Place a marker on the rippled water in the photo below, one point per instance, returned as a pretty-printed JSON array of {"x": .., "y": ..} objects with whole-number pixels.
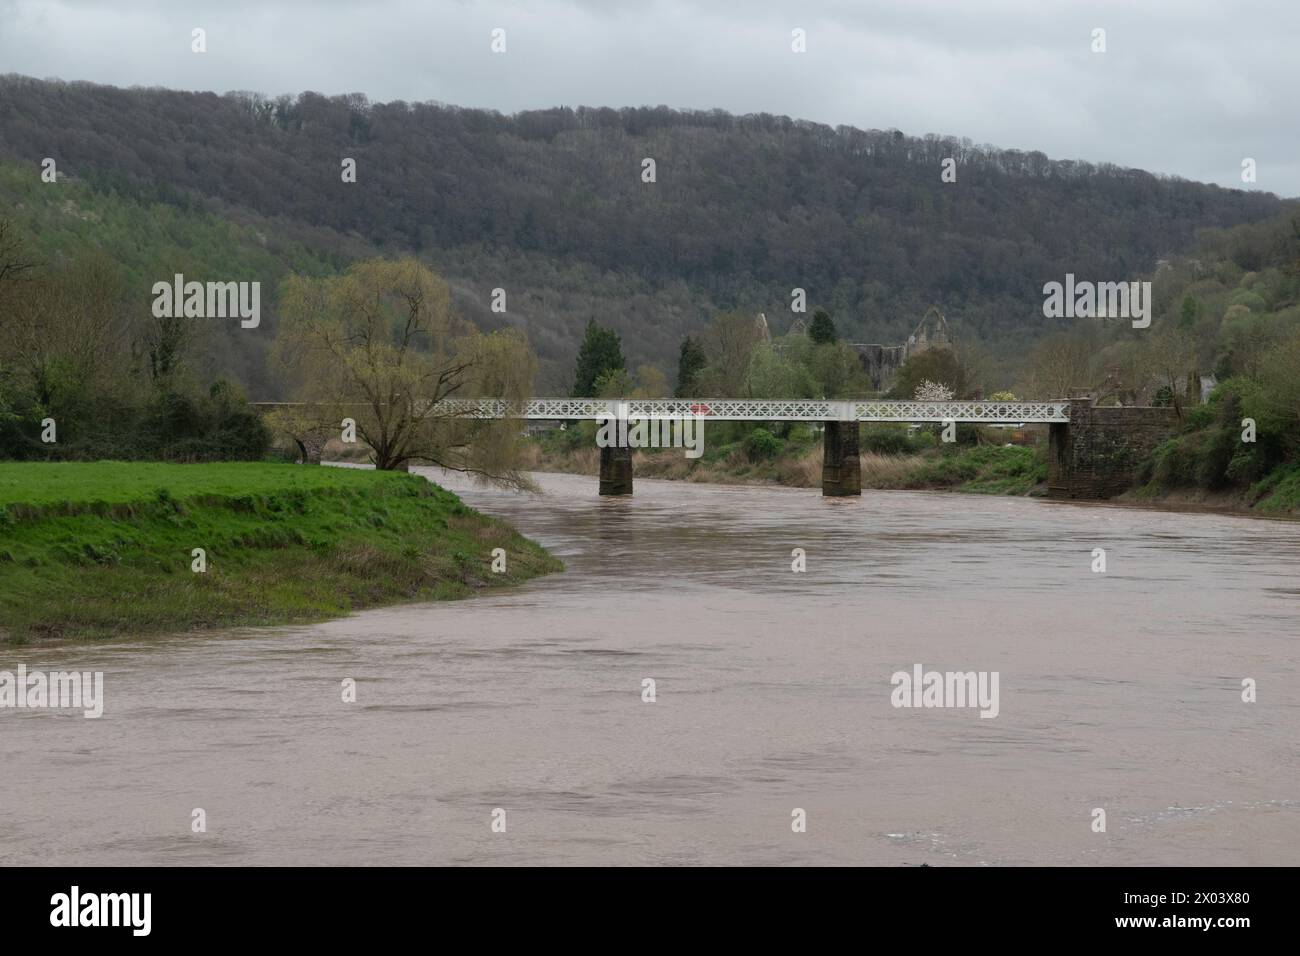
[{"x": 1119, "y": 690}]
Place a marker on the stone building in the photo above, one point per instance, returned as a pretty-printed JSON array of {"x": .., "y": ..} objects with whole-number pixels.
[{"x": 881, "y": 362}]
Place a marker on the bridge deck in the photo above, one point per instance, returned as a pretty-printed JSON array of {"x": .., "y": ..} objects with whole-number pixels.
[{"x": 735, "y": 409}]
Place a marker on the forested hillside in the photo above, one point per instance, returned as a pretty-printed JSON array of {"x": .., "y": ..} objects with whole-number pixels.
[
  {"x": 551, "y": 207},
  {"x": 150, "y": 240}
]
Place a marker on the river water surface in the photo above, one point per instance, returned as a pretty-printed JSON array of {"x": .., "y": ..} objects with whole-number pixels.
[{"x": 1120, "y": 691}]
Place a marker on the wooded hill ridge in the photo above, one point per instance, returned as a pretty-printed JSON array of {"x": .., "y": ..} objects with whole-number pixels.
[{"x": 551, "y": 206}]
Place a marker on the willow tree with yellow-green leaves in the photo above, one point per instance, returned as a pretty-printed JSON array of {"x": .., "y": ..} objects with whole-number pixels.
[{"x": 380, "y": 345}]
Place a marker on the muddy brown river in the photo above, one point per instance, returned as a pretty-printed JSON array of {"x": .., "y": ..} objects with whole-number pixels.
[{"x": 1120, "y": 691}]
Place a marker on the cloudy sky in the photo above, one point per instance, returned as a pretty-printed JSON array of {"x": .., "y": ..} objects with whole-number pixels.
[{"x": 1189, "y": 87}]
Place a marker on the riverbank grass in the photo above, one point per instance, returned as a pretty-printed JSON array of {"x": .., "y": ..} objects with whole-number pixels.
[
  {"x": 1279, "y": 491},
  {"x": 984, "y": 469},
  {"x": 106, "y": 549}
]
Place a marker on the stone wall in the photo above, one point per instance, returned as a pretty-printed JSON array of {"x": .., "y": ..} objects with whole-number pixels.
[
  {"x": 1097, "y": 454},
  {"x": 880, "y": 362}
]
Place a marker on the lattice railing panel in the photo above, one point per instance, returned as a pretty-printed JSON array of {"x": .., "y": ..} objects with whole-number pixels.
[{"x": 969, "y": 411}]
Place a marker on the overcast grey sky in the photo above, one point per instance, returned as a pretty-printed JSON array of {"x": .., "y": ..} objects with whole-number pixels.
[{"x": 1189, "y": 87}]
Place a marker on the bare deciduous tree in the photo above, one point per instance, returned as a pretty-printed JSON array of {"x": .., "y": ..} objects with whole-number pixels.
[
  {"x": 66, "y": 328},
  {"x": 1171, "y": 355},
  {"x": 1057, "y": 364},
  {"x": 728, "y": 342},
  {"x": 14, "y": 262}
]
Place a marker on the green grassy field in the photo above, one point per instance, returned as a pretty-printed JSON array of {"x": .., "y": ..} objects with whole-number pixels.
[{"x": 106, "y": 549}]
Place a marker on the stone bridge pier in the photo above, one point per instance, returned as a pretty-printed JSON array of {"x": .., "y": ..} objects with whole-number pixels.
[
  {"x": 841, "y": 466},
  {"x": 1097, "y": 452},
  {"x": 615, "y": 471},
  {"x": 310, "y": 445}
]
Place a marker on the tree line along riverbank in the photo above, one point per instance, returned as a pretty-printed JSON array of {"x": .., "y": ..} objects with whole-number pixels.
[{"x": 118, "y": 549}]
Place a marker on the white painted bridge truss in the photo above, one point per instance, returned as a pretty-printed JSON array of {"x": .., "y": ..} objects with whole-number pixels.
[{"x": 762, "y": 410}]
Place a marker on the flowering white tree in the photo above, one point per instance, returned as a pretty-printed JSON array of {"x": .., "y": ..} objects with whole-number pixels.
[{"x": 929, "y": 391}]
